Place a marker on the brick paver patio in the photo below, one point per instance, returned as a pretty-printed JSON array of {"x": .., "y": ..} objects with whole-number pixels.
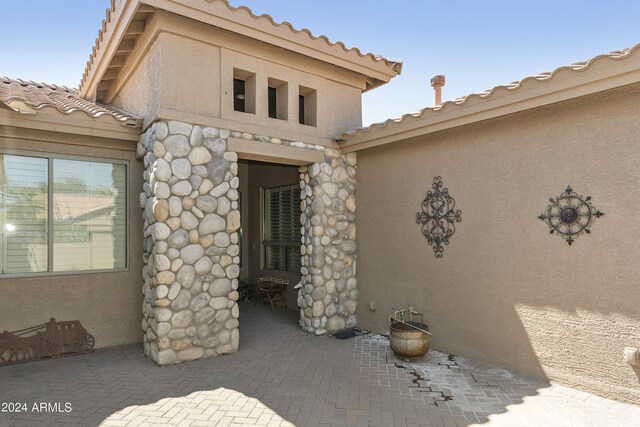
[{"x": 282, "y": 376}]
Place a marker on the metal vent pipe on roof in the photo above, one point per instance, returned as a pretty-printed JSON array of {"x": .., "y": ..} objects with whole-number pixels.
[{"x": 437, "y": 82}]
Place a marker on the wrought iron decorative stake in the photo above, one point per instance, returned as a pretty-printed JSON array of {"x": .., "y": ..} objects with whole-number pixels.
[
  {"x": 438, "y": 217},
  {"x": 570, "y": 215}
]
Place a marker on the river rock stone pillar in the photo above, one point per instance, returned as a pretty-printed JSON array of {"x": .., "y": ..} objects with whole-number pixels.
[
  {"x": 328, "y": 293},
  {"x": 191, "y": 250}
]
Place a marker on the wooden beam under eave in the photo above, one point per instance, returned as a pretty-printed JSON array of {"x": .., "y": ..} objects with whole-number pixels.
[
  {"x": 105, "y": 49},
  {"x": 136, "y": 27},
  {"x": 125, "y": 46},
  {"x": 100, "y": 96},
  {"x": 143, "y": 8},
  {"x": 104, "y": 85},
  {"x": 117, "y": 61},
  {"x": 369, "y": 82},
  {"x": 111, "y": 74}
]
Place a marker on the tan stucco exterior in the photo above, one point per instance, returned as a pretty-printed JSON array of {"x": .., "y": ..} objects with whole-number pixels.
[
  {"x": 147, "y": 74},
  {"x": 128, "y": 21},
  {"x": 506, "y": 291},
  {"x": 156, "y": 84},
  {"x": 106, "y": 303}
]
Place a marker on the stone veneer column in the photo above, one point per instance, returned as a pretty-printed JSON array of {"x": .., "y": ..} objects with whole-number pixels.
[
  {"x": 191, "y": 247},
  {"x": 328, "y": 296}
]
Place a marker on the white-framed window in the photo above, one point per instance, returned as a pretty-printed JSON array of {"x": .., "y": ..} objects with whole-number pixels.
[
  {"x": 61, "y": 215},
  {"x": 281, "y": 238}
]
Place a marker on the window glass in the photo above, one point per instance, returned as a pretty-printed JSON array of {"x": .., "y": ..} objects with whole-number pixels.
[
  {"x": 239, "y": 95},
  {"x": 83, "y": 209},
  {"x": 23, "y": 214},
  {"x": 89, "y": 230},
  {"x": 301, "y": 109},
  {"x": 273, "y": 102}
]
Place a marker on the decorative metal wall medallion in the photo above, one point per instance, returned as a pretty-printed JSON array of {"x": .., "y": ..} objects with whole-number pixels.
[
  {"x": 570, "y": 215},
  {"x": 438, "y": 217}
]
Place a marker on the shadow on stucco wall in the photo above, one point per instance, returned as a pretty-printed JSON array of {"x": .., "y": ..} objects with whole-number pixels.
[{"x": 506, "y": 291}]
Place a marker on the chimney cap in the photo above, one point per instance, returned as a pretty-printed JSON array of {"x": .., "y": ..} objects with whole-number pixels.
[{"x": 437, "y": 80}]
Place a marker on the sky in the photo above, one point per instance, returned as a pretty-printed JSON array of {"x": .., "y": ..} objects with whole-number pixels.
[{"x": 476, "y": 44}]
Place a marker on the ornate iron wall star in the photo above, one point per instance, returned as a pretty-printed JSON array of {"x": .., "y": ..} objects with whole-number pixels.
[
  {"x": 438, "y": 217},
  {"x": 570, "y": 215}
]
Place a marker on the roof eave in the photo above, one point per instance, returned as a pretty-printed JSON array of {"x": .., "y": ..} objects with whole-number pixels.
[
  {"x": 77, "y": 122},
  {"x": 241, "y": 20},
  {"x": 602, "y": 73},
  {"x": 262, "y": 27},
  {"x": 113, "y": 29}
]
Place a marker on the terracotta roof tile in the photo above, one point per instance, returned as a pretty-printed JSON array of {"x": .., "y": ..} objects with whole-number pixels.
[
  {"x": 27, "y": 96},
  {"x": 395, "y": 65},
  {"x": 539, "y": 78}
]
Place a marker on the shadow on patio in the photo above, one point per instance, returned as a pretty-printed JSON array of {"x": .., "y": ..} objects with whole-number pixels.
[{"x": 282, "y": 376}]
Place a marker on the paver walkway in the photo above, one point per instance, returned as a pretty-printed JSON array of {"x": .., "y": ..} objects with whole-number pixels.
[{"x": 282, "y": 377}]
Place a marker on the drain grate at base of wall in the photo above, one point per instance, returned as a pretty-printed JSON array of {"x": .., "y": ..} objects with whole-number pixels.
[{"x": 348, "y": 333}]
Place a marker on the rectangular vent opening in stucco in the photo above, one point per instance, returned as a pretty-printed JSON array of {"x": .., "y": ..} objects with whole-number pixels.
[
  {"x": 278, "y": 96},
  {"x": 307, "y": 106},
  {"x": 244, "y": 91}
]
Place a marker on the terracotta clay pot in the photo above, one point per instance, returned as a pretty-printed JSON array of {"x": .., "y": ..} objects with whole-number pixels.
[{"x": 407, "y": 341}]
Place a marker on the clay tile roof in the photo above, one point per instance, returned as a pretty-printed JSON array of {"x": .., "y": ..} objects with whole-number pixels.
[
  {"x": 28, "y": 96},
  {"x": 395, "y": 65},
  {"x": 539, "y": 79}
]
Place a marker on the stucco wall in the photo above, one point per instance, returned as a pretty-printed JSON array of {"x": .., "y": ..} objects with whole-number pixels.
[
  {"x": 141, "y": 93},
  {"x": 189, "y": 77},
  {"x": 107, "y": 304},
  {"x": 190, "y": 71},
  {"x": 338, "y": 104},
  {"x": 506, "y": 291}
]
